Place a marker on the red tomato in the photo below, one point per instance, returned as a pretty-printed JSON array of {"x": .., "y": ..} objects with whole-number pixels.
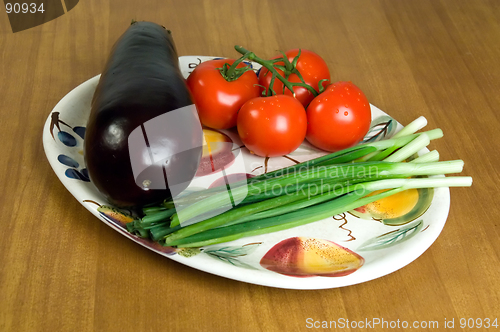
[
  {"x": 312, "y": 68},
  {"x": 272, "y": 126},
  {"x": 338, "y": 118},
  {"x": 216, "y": 99}
]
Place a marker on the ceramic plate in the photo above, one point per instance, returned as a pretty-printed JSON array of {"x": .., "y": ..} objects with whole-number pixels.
[{"x": 346, "y": 249}]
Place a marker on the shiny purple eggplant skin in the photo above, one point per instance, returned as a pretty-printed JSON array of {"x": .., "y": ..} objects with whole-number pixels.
[{"x": 141, "y": 81}]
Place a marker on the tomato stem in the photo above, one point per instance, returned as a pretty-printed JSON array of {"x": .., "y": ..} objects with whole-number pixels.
[
  {"x": 232, "y": 73},
  {"x": 270, "y": 65},
  {"x": 320, "y": 85}
]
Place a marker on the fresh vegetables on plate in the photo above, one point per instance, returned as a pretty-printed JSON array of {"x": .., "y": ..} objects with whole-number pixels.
[
  {"x": 308, "y": 192},
  {"x": 142, "y": 82}
]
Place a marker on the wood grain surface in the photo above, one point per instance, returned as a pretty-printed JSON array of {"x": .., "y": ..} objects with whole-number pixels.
[{"x": 61, "y": 269}]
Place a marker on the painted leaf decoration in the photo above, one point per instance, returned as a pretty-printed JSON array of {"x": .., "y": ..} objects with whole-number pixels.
[
  {"x": 235, "y": 262},
  {"x": 115, "y": 215},
  {"x": 248, "y": 64},
  {"x": 68, "y": 161},
  {"x": 188, "y": 252},
  {"x": 231, "y": 254},
  {"x": 381, "y": 127},
  {"x": 232, "y": 251},
  {"x": 305, "y": 257},
  {"x": 66, "y": 138},
  {"x": 85, "y": 173},
  {"x": 80, "y": 131},
  {"x": 75, "y": 174},
  {"x": 392, "y": 238}
]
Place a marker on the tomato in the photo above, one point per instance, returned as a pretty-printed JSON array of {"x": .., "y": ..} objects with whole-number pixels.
[
  {"x": 312, "y": 68},
  {"x": 338, "y": 118},
  {"x": 272, "y": 126},
  {"x": 217, "y": 99}
]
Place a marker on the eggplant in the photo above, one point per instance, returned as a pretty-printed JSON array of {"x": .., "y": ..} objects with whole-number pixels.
[{"x": 143, "y": 138}]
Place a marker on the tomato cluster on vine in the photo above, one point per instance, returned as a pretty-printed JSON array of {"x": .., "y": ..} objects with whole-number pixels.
[{"x": 291, "y": 99}]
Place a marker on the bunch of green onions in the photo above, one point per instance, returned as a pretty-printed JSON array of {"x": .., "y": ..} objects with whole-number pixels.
[{"x": 308, "y": 192}]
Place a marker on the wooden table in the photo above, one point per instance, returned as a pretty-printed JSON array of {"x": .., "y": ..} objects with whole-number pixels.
[{"x": 61, "y": 269}]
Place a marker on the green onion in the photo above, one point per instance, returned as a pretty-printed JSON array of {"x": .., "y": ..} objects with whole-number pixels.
[
  {"x": 410, "y": 149},
  {"x": 384, "y": 154},
  {"x": 410, "y": 129},
  {"x": 338, "y": 157},
  {"x": 314, "y": 199},
  {"x": 368, "y": 169},
  {"x": 247, "y": 210},
  {"x": 429, "y": 157},
  {"x": 301, "y": 193},
  {"x": 341, "y": 204},
  {"x": 158, "y": 216},
  {"x": 153, "y": 209},
  {"x": 158, "y": 233}
]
